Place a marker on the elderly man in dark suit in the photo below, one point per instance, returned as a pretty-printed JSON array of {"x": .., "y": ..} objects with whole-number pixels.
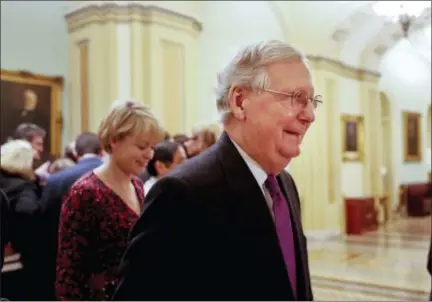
[
  {"x": 89, "y": 153},
  {"x": 226, "y": 224}
]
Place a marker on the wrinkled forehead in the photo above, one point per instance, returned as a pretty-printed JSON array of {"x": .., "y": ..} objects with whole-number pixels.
[{"x": 290, "y": 76}]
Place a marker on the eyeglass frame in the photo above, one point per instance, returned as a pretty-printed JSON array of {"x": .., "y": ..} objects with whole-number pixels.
[{"x": 313, "y": 100}]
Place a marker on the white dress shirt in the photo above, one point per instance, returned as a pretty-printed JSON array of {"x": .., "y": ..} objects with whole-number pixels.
[
  {"x": 149, "y": 183},
  {"x": 259, "y": 174}
]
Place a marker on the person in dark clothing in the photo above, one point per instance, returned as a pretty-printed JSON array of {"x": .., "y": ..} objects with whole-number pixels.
[
  {"x": 17, "y": 180},
  {"x": 89, "y": 152},
  {"x": 182, "y": 140},
  {"x": 167, "y": 156},
  {"x": 226, "y": 224},
  {"x": 429, "y": 261},
  {"x": 4, "y": 225},
  {"x": 144, "y": 176},
  {"x": 429, "y": 265}
]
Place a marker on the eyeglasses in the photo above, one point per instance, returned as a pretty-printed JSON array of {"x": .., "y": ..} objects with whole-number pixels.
[{"x": 299, "y": 99}]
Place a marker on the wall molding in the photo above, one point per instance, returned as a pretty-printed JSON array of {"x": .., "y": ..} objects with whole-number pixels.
[
  {"x": 126, "y": 13},
  {"x": 343, "y": 69}
]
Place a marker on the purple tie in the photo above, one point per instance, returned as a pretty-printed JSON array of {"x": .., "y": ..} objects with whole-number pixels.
[{"x": 283, "y": 228}]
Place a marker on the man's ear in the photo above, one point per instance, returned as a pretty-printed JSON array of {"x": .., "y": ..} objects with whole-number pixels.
[
  {"x": 159, "y": 167},
  {"x": 236, "y": 97}
]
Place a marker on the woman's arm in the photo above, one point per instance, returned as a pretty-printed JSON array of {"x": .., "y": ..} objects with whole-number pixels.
[{"x": 75, "y": 241}]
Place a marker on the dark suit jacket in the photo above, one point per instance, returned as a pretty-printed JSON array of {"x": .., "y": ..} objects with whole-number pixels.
[
  {"x": 57, "y": 186},
  {"x": 429, "y": 265},
  {"x": 24, "y": 217},
  {"x": 4, "y": 224},
  {"x": 206, "y": 233},
  {"x": 429, "y": 260}
]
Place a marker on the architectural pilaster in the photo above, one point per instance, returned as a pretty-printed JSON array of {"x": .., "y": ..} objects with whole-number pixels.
[
  {"x": 133, "y": 50},
  {"x": 318, "y": 170}
]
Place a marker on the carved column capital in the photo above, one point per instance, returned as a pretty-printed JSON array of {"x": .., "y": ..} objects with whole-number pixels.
[{"x": 83, "y": 13}]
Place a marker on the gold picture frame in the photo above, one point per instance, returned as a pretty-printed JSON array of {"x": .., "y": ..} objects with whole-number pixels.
[
  {"x": 352, "y": 127},
  {"x": 15, "y": 86},
  {"x": 412, "y": 136}
]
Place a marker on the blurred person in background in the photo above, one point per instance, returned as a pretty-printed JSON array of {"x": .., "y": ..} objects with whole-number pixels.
[
  {"x": 35, "y": 135},
  {"x": 144, "y": 175},
  {"x": 167, "y": 156},
  {"x": 60, "y": 164},
  {"x": 18, "y": 182},
  {"x": 70, "y": 152},
  {"x": 201, "y": 139}
]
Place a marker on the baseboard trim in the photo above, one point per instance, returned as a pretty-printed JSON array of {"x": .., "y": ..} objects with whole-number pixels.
[{"x": 322, "y": 235}]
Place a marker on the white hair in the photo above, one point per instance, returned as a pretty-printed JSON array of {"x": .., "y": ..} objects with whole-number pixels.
[
  {"x": 17, "y": 157},
  {"x": 247, "y": 69}
]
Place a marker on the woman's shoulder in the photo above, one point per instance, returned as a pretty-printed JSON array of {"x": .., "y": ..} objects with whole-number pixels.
[
  {"x": 88, "y": 183},
  {"x": 82, "y": 193},
  {"x": 14, "y": 182}
]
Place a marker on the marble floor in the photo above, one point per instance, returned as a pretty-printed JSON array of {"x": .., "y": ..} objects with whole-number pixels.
[{"x": 387, "y": 265}]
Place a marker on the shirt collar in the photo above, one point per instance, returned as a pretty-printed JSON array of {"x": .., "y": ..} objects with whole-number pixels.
[
  {"x": 258, "y": 172},
  {"x": 87, "y": 155}
]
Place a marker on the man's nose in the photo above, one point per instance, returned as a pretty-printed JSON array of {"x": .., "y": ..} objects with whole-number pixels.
[{"x": 308, "y": 114}]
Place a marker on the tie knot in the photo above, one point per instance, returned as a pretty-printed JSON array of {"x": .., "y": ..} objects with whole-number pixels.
[{"x": 272, "y": 184}]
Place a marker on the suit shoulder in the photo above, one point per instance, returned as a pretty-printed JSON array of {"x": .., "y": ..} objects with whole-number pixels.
[
  {"x": 201, "y": 171},
  {"x": 288, "y": 177},
  {"x": 168, "y": 196}
]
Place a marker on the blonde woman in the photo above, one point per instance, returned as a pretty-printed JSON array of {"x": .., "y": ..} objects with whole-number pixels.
[
  {"x": 101, "y": 207},
  {"x": 17, "y": 180}
]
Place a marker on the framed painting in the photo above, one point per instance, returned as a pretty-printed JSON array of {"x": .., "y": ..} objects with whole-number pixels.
[
  {"x": 32, "y": 98},
  {"x": 411, "y": 122},
  {"x": 352, "y": 137}
]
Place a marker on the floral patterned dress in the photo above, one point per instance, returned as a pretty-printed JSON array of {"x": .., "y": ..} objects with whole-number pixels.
[{"x": 93, "y": 231}]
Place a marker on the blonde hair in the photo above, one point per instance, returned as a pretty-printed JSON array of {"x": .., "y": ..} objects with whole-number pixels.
[
  {"x": 127, "y": 118},
  {"x": 17, "y": 158},
  {"x": 60, "y": 164},
  {"x": 247, "y": 69}
]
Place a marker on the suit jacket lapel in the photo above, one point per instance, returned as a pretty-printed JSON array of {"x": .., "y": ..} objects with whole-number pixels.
[
  {"x": 285, "y": 183},
  {"x": 242, "y": 183},
  {"x": 250, "y": 198}
]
